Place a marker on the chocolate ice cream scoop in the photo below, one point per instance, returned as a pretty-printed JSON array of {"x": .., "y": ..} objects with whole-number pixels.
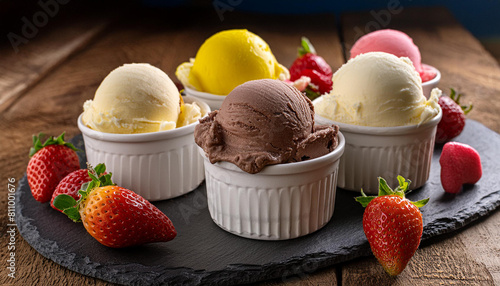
[{"x": 264, "y": 122}]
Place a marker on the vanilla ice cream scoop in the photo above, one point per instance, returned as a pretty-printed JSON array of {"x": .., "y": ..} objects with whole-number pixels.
[
  {"x": 137, "y": 98},
  {"x": 378, "y": 89}
]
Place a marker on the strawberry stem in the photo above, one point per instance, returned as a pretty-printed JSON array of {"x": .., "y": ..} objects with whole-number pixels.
[{"x": 37, "y": 143}]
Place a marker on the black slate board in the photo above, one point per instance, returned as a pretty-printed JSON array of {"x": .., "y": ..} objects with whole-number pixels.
[{"x": 204, "y": 253}]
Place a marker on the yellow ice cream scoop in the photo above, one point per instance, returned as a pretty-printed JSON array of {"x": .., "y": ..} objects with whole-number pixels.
[
  {"x": 138, "y": 98},
  {"x": 228, "y": 59}
]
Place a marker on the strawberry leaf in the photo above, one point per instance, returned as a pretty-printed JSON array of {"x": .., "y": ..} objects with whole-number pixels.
[
  {"x": 73, "y": 214},
  {"x": 63, "y": 201},
  {"x": 383, "y": 188},
  {"x": 421, "y": 203},
  {"x": 67, "y": 205},
  {"x": 311, "y": 94},
  {"x": 37, "y": 143},
  {"x": 364, "y": 200},
  {"x": 306, "y": 47},
  {"x": 99, "y": 178},
  {"x": 100, "y": 168},
  {"x": 403, "y": 187},
  {"x": 106, "y": 180},
  {"x": 403, "y": 183},
  {"x": 456, "y": 97}
]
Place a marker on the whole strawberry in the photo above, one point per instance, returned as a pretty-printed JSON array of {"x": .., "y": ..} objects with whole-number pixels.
[
  {"x": 313, "y": 66},
  {"x": 453, "y": 121},
  {"x": 115, "y": 216},
  {"x": 393, "y": 225},
  {"x": 50, "y": 162},
  {"x": 70, "y": 185},
  {"x": 460, "y": 164}
]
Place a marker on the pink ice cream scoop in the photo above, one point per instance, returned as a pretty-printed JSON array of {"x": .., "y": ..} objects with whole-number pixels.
[{"x": 396, "y": 43}]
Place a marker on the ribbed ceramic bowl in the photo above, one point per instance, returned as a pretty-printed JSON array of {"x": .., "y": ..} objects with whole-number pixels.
[
  {"x": 282, "y": 201},
  {"x": 213, "y": 100},
  {"x": 430, "y": 84},
  {"x": 157, "y": 165},
  {"x": 387, "y": 152}
]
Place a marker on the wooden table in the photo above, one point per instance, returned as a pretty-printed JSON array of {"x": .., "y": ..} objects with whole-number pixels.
[{"x": 43, "y": 87}]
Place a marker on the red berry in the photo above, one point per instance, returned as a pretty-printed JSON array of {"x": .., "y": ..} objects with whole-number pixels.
[
  {"x": 311, "y": 62},
  {"x": 49, "y": 164},
  {"x": 313, "y": 66},
  {"x": 70, "y": 185},
  {"x": 319, "y": 83},
  {"x": 115, "y": 216},
  {"x": 453, "y": 121},
  {"x": 118, "y": 218},
  {"x": 393, "y": 225},
  {"x": 460, "y": 164}
]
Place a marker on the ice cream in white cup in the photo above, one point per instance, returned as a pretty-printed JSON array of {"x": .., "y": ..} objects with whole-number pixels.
[
  {"x": 401, "y": 45},
  {"x": 225, "y": 60},
  {"x": 389, "y": 126},
  {"x": 142, "y": 129},
  {"x": 270, "y": 171}
]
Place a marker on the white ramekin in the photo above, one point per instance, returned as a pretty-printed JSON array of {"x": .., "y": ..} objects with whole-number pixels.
[
  {"x": 282, "y": 201},
  {"x": 430, "y": 84},
  {"x": 213, "y": 100},
  {"x": 387, "y": 152},
  {"x": 157, "y": 165}
]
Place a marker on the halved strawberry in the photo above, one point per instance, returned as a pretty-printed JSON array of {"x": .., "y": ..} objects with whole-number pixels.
[{"x": 460, "y": 164}]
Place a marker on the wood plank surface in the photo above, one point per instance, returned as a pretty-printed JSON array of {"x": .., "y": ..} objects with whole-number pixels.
[
  {"x": 55, "y": 99},
  {"x": 471, "y": 256},
  {"x": 23, "y": 64}
]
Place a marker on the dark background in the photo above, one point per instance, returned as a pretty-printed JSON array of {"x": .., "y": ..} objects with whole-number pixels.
[{"x": 481, "y": 17}]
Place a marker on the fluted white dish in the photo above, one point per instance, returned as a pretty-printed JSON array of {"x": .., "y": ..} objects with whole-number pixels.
[
  {"x": 213, "y": 100},
  {"x": 281, "y": 202},
  {"x": 387, "y": 152},
  {"x": 157, "y": 165},
  {"x": 430, "y": 84}
]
